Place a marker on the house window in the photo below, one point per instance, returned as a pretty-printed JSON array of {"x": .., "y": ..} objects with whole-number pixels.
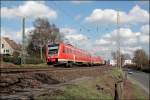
[
  {"x": 7, "y": 50},
  {"x": 2, "y": 45}
]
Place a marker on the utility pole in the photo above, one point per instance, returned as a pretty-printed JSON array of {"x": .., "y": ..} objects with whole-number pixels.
[
  {"x": 23, "y": 42},
  {"x": 119, "y": 53},
  {"x": 118, "y": 41}
]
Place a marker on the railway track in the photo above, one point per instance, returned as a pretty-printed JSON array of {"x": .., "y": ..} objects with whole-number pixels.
[
  {"x": 23, "y": 70},
  {"x": 19, "y": 70}
]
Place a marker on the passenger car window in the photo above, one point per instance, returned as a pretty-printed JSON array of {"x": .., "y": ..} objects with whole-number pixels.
[
  {"x": 63, "y": 49},
  {"x": 66, "y": 50}
]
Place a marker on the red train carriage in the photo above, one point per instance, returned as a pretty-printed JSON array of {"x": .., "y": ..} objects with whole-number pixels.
[
  {"x": 96, "y": 60},
  {"x": 67, "y": 54}
]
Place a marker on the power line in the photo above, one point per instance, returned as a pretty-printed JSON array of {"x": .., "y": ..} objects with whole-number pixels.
[{"x": 68, "y": 15}]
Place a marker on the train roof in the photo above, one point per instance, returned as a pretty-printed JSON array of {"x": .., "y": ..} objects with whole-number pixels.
[
  {"x": 68, "y": 44},
  {"x": 76, "y": 47}
]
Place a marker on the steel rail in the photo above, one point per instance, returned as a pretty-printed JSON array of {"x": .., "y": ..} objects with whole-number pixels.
[{"x": 19, "y": 70}]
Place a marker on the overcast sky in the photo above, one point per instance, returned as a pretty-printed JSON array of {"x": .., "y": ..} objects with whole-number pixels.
[{"x": 90, "y": 25}]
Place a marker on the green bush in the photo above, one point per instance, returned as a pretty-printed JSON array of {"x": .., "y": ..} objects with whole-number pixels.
[
  {"x": 14, "y": 60},
  {"x": 146, "y": 69},
  {"x": 33, "y": 60},
  {"x": 17, "y": 60},
  {"x": 7, "y": 59}
]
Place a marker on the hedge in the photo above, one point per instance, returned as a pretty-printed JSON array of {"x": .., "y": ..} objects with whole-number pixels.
[
  {"x": 17, "y": 60},
  {"x": 33, "y": 60}
]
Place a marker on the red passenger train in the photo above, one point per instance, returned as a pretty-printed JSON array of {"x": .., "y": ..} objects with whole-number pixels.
[{"x": 67, "y": 54}]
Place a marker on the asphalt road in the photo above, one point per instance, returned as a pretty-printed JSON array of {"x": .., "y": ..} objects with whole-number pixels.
[{"x": 140, "y": 78}]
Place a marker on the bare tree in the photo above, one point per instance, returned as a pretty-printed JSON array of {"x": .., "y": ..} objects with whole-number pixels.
[
  {"x": 43, "y": 33},
  {"x": 127, "y": 56},
  {"x": 115, "y": 57},
  {"x": 140, "y": 58}
]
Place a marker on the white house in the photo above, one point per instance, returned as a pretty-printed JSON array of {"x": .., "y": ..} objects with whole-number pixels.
[
  {"x": 112, "y": 62},
  {"x": 9, "y": 46},
  {"x": 128, "y": 62}
]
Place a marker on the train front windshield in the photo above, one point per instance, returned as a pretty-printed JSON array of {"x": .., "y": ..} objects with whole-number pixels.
[{"x": 53, "y": 49}]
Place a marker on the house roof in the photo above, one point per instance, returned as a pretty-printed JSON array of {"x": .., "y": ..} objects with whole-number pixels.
[{"x": 12, "y": 43}]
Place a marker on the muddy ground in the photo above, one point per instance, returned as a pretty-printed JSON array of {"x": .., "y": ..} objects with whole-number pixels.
[{"x": 31, "y": 85}]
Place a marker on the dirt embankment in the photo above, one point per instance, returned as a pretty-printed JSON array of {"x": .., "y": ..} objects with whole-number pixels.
[
  {"x": 51, "y": 84},
  {"x": 16, "y": 84}
]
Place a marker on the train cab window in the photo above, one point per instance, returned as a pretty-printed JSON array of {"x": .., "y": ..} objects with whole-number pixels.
[{"x": 53, "y": 49}]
